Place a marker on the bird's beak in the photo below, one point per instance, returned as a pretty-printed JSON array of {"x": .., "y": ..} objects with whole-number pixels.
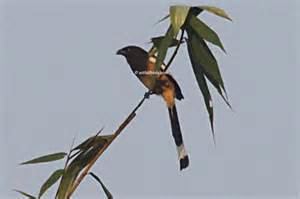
[{"x": 120, "y": 52}]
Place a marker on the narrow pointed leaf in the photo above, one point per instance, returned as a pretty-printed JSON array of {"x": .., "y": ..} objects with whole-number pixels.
[
  {"x": 51, "y": 181},
  {"x": 157, "y": 41},
  {"x": 205, "y": 32},
  {"x": 84, "y": 158},
  {"x": 67, "y": 180},
  {"x": 162, "y": 19},
  {"x": 106, "y": 191},
  {"x": 163, "y": 47},
  {"x": 86, "y": 144},
  {"x": 46, "y": 158},
  {"x": 217, "y": 11},
  {"x": 208, "y": 62},
  {"x": 25, "y": 194},
  {"x": 199, "y": 74},
  {"x": 178, "y": 15},
  {"x": 70, "y": 175},
  {"x": 107, "y": 137}
]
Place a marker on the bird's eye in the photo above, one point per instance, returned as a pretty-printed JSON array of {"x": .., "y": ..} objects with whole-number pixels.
[{"x": 128, "y": 49}]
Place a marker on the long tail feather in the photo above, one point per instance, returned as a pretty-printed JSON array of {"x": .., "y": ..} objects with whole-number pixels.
[{"x": 176, "y": 132}]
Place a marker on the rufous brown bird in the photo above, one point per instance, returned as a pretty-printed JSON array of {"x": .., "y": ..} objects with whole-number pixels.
[{"x": 160, "y": 83}]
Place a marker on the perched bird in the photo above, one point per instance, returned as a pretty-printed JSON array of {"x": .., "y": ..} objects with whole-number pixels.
[{"x": 159, "y": 83}]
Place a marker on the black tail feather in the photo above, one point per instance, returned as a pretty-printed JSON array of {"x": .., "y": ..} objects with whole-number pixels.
[
  {"x": 184, "y": 162},
  {"x": 177, "y": 135}
]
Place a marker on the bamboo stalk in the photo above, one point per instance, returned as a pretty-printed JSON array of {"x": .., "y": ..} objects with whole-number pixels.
[{"x": 86, "y": 170}]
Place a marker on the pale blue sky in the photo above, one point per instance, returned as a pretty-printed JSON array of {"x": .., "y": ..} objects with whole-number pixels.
[{"x": 57, "y": 66}]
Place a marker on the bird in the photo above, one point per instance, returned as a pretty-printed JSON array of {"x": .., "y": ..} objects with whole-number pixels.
[{"x": 143, "y": 65}]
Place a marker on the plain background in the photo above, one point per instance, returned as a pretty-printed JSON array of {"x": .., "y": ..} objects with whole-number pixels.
[{"x": 60, "y": 78}]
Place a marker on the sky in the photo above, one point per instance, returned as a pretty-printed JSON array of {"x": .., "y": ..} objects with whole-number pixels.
[{"x": 60, "y": 78}]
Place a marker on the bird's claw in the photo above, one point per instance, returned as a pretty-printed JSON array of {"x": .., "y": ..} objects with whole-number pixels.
[{"x": 147, "y": 94}]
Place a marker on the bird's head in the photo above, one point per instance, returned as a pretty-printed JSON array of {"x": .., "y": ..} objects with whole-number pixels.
[
  {"x": 135, "y": 56},
  {"x": 131, "y": 51}
]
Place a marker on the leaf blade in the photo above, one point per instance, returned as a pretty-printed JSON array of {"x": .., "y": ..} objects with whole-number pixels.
[
  {"x": 157, "y": 40},
  {"x": 162, "y": 19},
  {"x": 85, "y": 157},
  {"x": 86, "y": 144},
  {"x": 53, "y": 178},
  {"x": 25, "y": 194},
  {"x": 205, "y": 32},
  {"x": 199, "y": 74},
  {"x": 46, "y": 158},
  {"x": 178, "y": 15},
  {"x": 163, "y": 47},
  {"x": 217, "y": 11},
  {"x": 68, "y": 178},
  {"x": 209, "y": 64},
  {"x": 106, "y": 191},
  {"x": 66, "y": 182}
]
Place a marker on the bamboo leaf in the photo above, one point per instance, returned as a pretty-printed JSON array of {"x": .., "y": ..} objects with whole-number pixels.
[
  {"x": 208, "y": 63},
  {"x": 84, "y": 158},
  {"x": 67, "y": 180},
  {"x": 162, "y": 19},
  {"x": 46, "y": 158},
  {"x": 106, "y": 191},
  {"x": 205, "y": 32},
  {"x": 54, "y": 177},
  {"x": 90, "y": 142},
  {"x": 157, "y": 41},
  {"x": 107, "y": 137},
  {"x": 163, "y": 47},
  {"x": 217, "y": 11},
  {"x": 87, "y": 143},
  {"x": 25, "y": 194},
  {"x": 199, "y": 74},
  {"x": 178, "y": 15},
  {"x": 71, "y": 173}
]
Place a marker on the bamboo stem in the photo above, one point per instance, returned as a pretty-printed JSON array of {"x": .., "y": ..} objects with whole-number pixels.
[
  {"x": 175, "y": 51},
  {"x": 115, "y": 135}
]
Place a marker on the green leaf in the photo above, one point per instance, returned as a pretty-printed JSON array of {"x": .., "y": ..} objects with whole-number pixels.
[
  {"x": 205, "y": 32},
  {"x": 92, "y": 141},
  {"x": 199, "y": 74},
  {"x": 67, "y": 180},
  {"x": 54, "y": 177},
  {"x": 25, "y": 194},
  {"x": 178, "y": 15},
  {"x": 195, "y": 11},
  {"x": 217, "y": 11},
  {"x": 157, "y": 41},
  {"x": 87, "y": 143},
  {"x": 86, "y": 155},
  {"x": 106, "y": 191},
  {"x": 70, "y": 175},
  {"x": 164, "y": 18},
  {"x": 46, "y": 158},
  {"x": 108, "y": 137},
  {"x": 208, "y": 63},
  {"x": 163, "y": 47}
]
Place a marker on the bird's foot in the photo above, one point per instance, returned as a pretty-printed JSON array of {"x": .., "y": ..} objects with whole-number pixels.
[{"x": 147, "y": 94}]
